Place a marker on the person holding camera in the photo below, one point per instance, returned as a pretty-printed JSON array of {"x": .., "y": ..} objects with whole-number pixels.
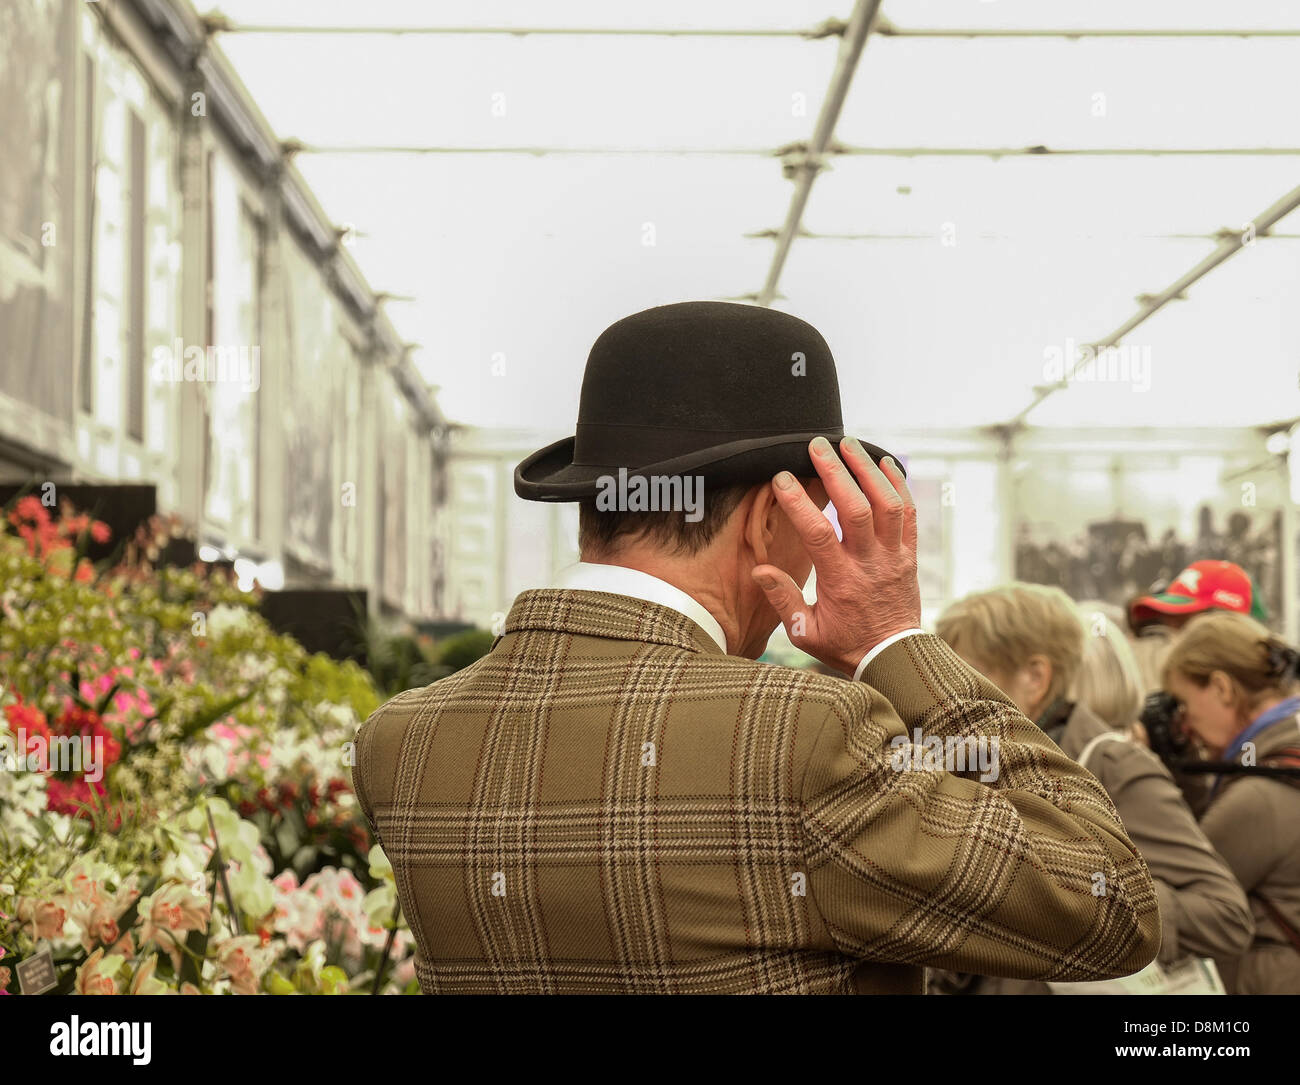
[
  {"x": 1235, "y": 688},
  {"x": 1071, "y": 671}
]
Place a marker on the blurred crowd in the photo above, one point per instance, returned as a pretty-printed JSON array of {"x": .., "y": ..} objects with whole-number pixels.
[
  {"x": 1115, "y": 560},
  {"x": 1184, "y": 706}
]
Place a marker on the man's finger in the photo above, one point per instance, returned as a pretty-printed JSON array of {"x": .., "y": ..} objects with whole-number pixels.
[
  {"x": 818, "y": 536},
  {"x": 782, "y": 592},
  {"x": 886, "y": 504},
  {"x": 894, "y": 473},
  {"x": 851, "y": 506}
]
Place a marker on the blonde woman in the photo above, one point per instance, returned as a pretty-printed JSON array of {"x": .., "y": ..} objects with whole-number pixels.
[
  {"x": 1108, "y": 681},
  {"x": 1031, "y": 641},
  {"x": 1237, "y": 686}
]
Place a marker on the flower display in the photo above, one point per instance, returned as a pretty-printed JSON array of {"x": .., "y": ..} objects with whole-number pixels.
[{"x": 176, "y": 809}]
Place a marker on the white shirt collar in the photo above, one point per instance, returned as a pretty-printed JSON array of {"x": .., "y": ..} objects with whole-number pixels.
[{"x": 620, "y": 580}]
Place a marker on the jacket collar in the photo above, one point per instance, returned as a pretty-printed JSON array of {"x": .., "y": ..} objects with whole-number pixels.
[
  {"x": 621, "y": 580},
  {"x": 605, "y": 614}
]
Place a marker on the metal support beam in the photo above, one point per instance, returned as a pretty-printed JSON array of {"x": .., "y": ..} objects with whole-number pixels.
[
  {"x": 1230, "y": 243},
  {"x": 851, "y": 45},
  {"x": 1042, "y": 151},
  {"x": 933, "y": 236},
  {"x": 801, "y": 157},
  {"x": 298, "y": 147},
  {"x": 220, "y": 24},
  {"x": 888, "y": 30}
]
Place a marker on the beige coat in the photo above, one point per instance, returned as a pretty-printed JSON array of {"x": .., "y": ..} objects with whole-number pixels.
[
  {"x": 1203, "y": 910},
  {"x": 606, "y": 802},
  {"x": 1255, "y": 825}
]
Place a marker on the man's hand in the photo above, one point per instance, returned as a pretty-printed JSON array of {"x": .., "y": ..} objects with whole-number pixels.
[{"x": 867, "y": 588}]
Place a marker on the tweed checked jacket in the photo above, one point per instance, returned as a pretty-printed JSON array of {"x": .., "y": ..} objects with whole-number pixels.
[{"x": 607, "y": 803}]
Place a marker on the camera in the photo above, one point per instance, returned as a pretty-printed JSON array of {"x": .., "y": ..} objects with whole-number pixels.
[{"x": 1160, "y": 717}]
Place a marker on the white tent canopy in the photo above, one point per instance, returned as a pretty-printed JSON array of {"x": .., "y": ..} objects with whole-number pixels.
[{"x": 945, "y": 282}]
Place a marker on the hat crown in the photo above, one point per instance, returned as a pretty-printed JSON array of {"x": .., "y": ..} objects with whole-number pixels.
[
  {"x": 712, "y": 368},
  {"x": 1211, "y": 578},
  {"x": 726, "y": 393}
]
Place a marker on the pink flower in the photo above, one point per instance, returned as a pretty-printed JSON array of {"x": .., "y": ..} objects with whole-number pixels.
[
  {"x": 298, "y": 915},
  {"x": 405, "y": 971},
  {"x": 100, "y": 927},
  {"x": 45, "y": 916},
  {"x": 170, "y": 913},
  {"x": 84, "y": 887},
  {"x": 91, "y": 981},
  {"x": 143, "y": 983},
  {"x": 244, "y": 962},
  {"x": 98, "y": 913}
]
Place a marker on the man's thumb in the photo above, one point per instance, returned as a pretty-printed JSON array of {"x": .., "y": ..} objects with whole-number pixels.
[{"x": 781, "y": 592}]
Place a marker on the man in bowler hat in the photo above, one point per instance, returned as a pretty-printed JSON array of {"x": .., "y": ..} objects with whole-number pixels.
[{"x": 619, "y": 798}]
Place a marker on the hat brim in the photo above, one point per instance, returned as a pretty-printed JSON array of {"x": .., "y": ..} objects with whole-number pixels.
[
  {"x": 550, "y": 474},
  {"x": 1165, "y": 603}
]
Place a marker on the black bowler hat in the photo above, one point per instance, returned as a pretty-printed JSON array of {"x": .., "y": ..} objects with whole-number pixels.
[{"x": 727, "y": 391}]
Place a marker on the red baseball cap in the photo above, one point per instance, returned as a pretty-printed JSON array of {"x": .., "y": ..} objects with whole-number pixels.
[{"x": 1203, "y": 585}]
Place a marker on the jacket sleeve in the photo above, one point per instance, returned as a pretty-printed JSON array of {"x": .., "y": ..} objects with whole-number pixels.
[
  {"x": 377, "y": 747},
  {"x": 1202, "y": 908},
  {"x": 1028, "y": 875},
  {"x": 358, "y": 783}
]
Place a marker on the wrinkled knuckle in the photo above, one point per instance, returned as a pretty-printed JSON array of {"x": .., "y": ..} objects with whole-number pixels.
[
  {"x": 858, "y": 517},
  {"x": 822, "y": 535}
]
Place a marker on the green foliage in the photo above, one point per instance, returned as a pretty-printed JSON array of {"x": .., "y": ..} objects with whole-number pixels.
[
  {"x": 461, "y": 649},
  {"x": 204, "y": 711}
]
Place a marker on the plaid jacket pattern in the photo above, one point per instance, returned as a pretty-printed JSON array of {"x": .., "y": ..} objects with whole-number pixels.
[{"x": 608, "y": 803}]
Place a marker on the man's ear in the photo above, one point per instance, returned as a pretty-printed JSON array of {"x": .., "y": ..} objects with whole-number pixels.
[{"x": 761, "y": 514}]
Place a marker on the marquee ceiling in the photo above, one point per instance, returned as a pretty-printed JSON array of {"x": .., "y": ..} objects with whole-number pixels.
[{"x": 526, "y": 190}]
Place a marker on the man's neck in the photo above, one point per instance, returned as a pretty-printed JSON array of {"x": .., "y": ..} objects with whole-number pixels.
[{"x": 698, "y": 580}]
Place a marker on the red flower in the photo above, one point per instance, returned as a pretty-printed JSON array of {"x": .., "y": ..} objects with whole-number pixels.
[
  {"x": 82, "y": 721},
  {"x": 31, "y": 721},
  {"x": 100, "y": 531},
  {"x": 70, "y": 797},
  {"x": 30, "y": 508}
]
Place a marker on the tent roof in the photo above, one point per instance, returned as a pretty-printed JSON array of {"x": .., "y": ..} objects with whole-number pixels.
[{"x": 947, "y": 278}]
